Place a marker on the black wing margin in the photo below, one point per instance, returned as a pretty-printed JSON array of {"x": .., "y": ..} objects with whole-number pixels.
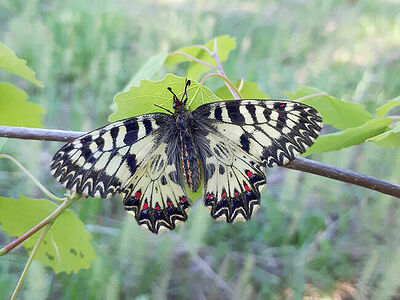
[
  {"x": 272, "y": 132},
  {"x": 100, "y": 163}
]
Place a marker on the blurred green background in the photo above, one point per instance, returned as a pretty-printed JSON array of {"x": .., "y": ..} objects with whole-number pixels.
[{"x": 312, "y": 236}]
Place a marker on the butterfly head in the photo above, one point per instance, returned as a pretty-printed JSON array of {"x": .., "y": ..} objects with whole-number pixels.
[{"x": 179, "y": 104}]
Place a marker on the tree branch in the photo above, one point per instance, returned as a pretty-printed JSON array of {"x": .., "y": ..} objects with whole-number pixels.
[
  {"x": 300, "y": 164},
  {"x": 39, "y": 134}
]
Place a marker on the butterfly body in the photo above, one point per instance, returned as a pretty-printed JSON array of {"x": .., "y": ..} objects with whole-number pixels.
[
  {"x": 185, "y": 129},
  {"x": 224, "y": 145}
]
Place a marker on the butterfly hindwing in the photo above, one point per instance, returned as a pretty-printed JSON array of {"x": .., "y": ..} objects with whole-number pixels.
[
  {"x": 233, "y": 181},
  {"x": 155, "y": 196},
  {"x": 273, "y": 132},
  {"x": 100, "y": 163}
]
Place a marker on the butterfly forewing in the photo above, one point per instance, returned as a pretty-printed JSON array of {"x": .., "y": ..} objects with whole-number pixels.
[
  {"x": 101, "y": 163},
  {"x": 272, "y": 132}
]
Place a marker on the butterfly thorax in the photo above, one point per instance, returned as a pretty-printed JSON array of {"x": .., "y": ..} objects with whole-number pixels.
[{"x": 189, "y": 154}]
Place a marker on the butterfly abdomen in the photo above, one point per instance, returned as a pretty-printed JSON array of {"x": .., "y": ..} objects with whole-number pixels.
[
  {"x": 190, "y": 162},
  {"x": 188, "y": 152}
]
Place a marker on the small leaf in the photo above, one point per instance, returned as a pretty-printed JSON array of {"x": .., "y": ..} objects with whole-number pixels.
[
  {"x": 385, "y": 108},
  {"x": 66, "y": 246},
  {"x": 225, "y": 44},
  {"x": 15, "y": 110},
  {"x": 335, "y": 112},
  {"x": 249, "y": 90},
  {"x": 147, "y": 71},
  {"x": 390, "y": 138},
  {"x": 140, "y": 100},
  {"x": 11, "y": 63},
  {"x": 348, "y": 137}
]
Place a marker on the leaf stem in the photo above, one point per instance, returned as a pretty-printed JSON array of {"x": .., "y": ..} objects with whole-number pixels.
[
  {"x": 226, "y": 80},
  {"x": 29, "y": 262},
  {"x": 204, "y": 48},
  {"x": 39, "y": 185},
  {"x": 194, "y": 59},
  {"x": 312, "y": 96},
  {"x": 219, "y": 69},
  {"x": 215, "y": 55},
  {"x": 50, "y": 218}
]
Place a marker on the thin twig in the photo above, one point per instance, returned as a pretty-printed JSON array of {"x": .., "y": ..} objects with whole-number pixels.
[
  {"x": 228, "y": 83},
  {"x": 300, "y": 164},
  {"x": 312, "y": 96},
  {"x": 40, "y": 186},
  {"x": 29, "y": 262},
  {"x": 220, "y": 69},
  {"x": 204, "y": 48},
  {"x": 194, "y": 59},
  {"x": 203, "y": 266},
  {"x": 38, "y": 134},
  {"x": 50, "y": 218},
  {"x": 369, "y": 182}
]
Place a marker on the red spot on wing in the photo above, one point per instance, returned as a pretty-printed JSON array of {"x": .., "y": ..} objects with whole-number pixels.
[
  {"x": 210, "y": 196},
  {"x": 157, "y": 208},
  {"x": 246, "y": 187},
  {"x": 223, "y": 195},
  {"x": 169, "y": 203},
  {"x": 183, "y": 199},
  {"x": 282, "y": 105},
  {"x": 236, "y": 194},
  {"x": 137, "y": 195},
  {"x": 249, "y": 174},
  {"x": 145, "y": 206}
]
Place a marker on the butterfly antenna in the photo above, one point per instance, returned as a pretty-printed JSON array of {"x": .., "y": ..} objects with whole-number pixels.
[
  {"x": 164, "y": 108},
  {"x": 185, "y": 96},
  {"x": 170, "y": 90}
]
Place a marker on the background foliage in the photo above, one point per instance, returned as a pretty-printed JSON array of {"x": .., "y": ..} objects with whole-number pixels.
[{"x": 312, "y": 236}]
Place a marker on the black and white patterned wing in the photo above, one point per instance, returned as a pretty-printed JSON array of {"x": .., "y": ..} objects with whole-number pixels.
[
  {"x": 233, "y": 181},
  {"x": 155, "y": 195},
  {"x": 243, "y": 136},
  {"x": 272, "y": 132},
  {"x": 101, "y": 163}
]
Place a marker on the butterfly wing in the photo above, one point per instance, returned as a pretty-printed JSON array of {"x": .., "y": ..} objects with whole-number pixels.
[
  {"x": 273, "y": 132},
  {"x": 233, "y": 181},
  {"x": 155, "y": 195},
  {"x": 101, "y": 163},
  {"x": 242, "y": 137}
]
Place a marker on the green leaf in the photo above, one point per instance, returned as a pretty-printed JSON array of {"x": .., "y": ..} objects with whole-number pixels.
[
  {"x": 225, "y": 44},
  {"x": 384, "y": 109},
  {"x": 15, "y": 110},
  {"x": 140, "y": 100},
  {"x": 390, "y": 138},
  {"x": 335, "y": 112},
  {"x": 348, "y": 137},
  {"x": 249, "y": 90},
  {"x": 147, "y": 71},
  {"x": 66, "y": 246},
  {"x": 11, "y": 63}
]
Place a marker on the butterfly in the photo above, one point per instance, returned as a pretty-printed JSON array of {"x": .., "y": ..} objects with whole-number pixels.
[{"x": 153, "y": 159}]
